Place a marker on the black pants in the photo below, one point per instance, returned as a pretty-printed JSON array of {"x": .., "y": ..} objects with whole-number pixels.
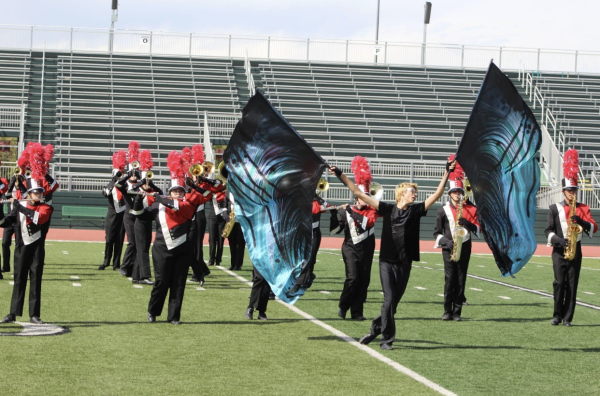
[
  {"x": 215, "y": 238},
  {"x": 6, "y": 242},
  {"x": 143, "y": 240},
  {"x": 394, "y": 278},
  {"x": 455, "y": 274},
  {"x": 115, "y": 235},
  {"x": 170, "y": 271},
  {"x": 196, "y": 238},
  {"x": 130, "y": 251},
  {"x": 259, "y": 297},
  {"x": 29, "y": 261},
  {"x": 306, "y": 276},
  {"x": 566, "y": 280},
  {"x": 237, "y": 246},
  {"x": 358, "y": 260}
]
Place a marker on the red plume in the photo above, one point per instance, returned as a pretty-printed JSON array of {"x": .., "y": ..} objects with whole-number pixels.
[
  {"x": 198, "y": 156},
  {"x": 458, "y": 173},
  {"x": 176, "y": 165},
  {"x": 23, "y": 161},
  {"x": 187, "y": 156},
  {"x": 571, "y": 165},
  {"x": 48, "y": 152},
  {"x": 119, "y": 160},
  {"x": 146, "y": 160},
  {"x": 38, "y": 164},
  {"x": 133, "y": 152},
  {"x": 362, "y": 172}
]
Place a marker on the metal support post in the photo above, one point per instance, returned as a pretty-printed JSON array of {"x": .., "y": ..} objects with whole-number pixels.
[{"x": 42, "y": 92}]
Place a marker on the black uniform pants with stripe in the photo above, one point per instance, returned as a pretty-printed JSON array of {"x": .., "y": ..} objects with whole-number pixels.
[
  {"x": 394, "y": 278},
  {"x": 6, "y": 242},
  {"x": 130, "y": 251},
  {"x": 237, "y": 246},
  {"x": 143, "y": 239},
  {"x": 215, "y": 238},
  {"x": 566, "y": 280},
  {"x": 115, "y": 235},
  {"x": 358, "y": 260},
  {"x": 305, "y": 279},
  {"x": 196, "y": 237},
  {"x": 259, "y": 296},
  {"x": 455, "y": 275},
  {"x": 29, "y": 262},
  {"x": 170, "y": 273}
]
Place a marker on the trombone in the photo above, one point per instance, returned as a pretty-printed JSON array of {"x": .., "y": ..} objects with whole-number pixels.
[
  {"x": 322, "y": 186},
  {"x": 197, "y": 169},
  {"x": 222, "y": 172}
]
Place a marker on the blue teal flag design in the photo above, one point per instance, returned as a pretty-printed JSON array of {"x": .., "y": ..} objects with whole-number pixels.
[
  {"x": 498, "y": 154},
  {"x": 273, "y": 174}
]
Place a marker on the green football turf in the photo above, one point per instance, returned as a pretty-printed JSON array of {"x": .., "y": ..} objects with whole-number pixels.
[{"x": 502, "y": 346}]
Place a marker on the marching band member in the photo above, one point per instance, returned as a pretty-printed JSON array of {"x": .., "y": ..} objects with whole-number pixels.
[
  {"x": 259, "y": 296},
  {"x": 171, "y": 249},
  {"x": 399, "y": 247},
  {"x": 28, "y": 219},
  {"x": 115, "y": 233},
  {"x": 564, "y": 236},
  {"x": 218, "y": 212},
  {"x": 124, "y": 184},
  {"x": 4, "y": 185},
  {"x": 359, "y": 244},
  {"x": 237, "y": 243},
  {"x": 143, "y": 223},
  {"x": 446, "y": 226}
]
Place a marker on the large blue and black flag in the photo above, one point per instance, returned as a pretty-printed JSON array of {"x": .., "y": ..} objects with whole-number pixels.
[
  {"x": 498, "y": 154},
  {"x": 273, "y": 174}
]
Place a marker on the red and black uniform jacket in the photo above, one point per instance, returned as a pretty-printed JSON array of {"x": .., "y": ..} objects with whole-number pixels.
[
  {"x": 558, "y": 216},
  {"x": 172, "y": 219},
  {"x": 319, "y": 206},
  {"x": 116, "y": 202},
  {"x": 202, "y": 193},
  {"x": 50, "y": 186},
  {"x": 358, "y": 224},
  {"x": 28, "y": 220},
  {"x": 445, "y": 223}
]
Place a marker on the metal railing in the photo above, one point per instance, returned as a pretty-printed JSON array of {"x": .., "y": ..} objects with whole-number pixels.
[
  {"x": 143, "y": 42},
  {"x": 13, "y": 117},
  {"x": 249, "y": 76}
]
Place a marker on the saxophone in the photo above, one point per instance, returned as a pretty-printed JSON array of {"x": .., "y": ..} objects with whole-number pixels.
[
  {"x": 229, "y": 226},
  {"x": 459, "y": 232},
  {"x": 573, "y": 231}
]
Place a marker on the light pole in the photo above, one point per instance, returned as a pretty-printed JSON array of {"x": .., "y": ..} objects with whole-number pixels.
[
  {"x": 377, "y": 29},
  {"x": 114, "y": 18},
  {"x": 427, "y": 16}
]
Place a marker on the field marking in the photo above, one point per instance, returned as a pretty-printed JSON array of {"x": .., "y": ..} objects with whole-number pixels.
[
  {"x": 138, "y": 286},
  {"x": 74, "y": 277},
  {"x": 474, "y": 288},
  {"x": 539, "y": 293},
  {"x": 77, "y": 284},
  {"x": 373, "y": 353},
  {"x": 504, "y": 297},
  {"x": 200, "y": 288},
  {"x": 420, "y": 288},
  {"x": 324, "y": 292},
  {"x": 11, "y": 283},
  {"x": 65, "y": 252},
  {"x": 440, "y": 295},
  {"x": 590, "y": 293}
]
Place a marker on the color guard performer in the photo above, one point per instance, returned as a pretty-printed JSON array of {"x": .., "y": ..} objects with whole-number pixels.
[
  {"x": 28, "y": 217},
  {"x": 399, "y": 247},
  {"x": 567, "y": 220},
  {"x": 115, "y": 233},
  {"x": 455, "y": 221}
]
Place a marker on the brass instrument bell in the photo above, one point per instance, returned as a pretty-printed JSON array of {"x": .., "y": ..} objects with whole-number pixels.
[
  {"x": 322, "y": 186},
  {"x": 17, "y": 171},
  {"x": 197, "y": 169},
  {"x": 222, "y": 172},
  {"x": 135, "y": 164},
  {"x": 149, "y": 175},
  {"x": 376, "y": 191},
  {"x": 208, "y": 168}
]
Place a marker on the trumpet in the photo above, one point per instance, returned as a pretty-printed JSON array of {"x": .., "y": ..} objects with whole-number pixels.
[
  {"x": 322, "y": 186},
  {"x": 28, "y": 173},
  {"x": 207, "y": 167},
  {"x": 135, "y": 164},
  {"x": 376, "y": 191},
  {"x": 17, "y": 171},
  {"x": 149, "y": 175},
  {"x": 196, "y": 170},
  {"x": 223, "y": 173}
]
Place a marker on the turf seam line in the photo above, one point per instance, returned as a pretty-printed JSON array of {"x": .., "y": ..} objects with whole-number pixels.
[
  {"x": 583, "y": 304},
  {"x": 373, "y": 353}
]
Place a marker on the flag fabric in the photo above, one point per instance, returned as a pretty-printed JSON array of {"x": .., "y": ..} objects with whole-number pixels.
[
  {"x": 498, "y": 155},
  {"x": 273, "y": 175}
]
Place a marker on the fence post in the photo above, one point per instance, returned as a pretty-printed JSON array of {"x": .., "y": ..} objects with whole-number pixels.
[
  {"x": 190, "y": 49},
  {"x": 538, "y": 61},
  {"x": 500, "y": 59},
  {"x": 229, "y": 53},
  {"x": 385, "y": 55},
  {"x": 576, "y": 55},
  {"x": 269, "y": 47},
  {"x": 150, "y": 42},
  {"x": 346, "y": 51},
  {"x": 307, "y": 49},
  {"x": 31, "y": 40},
  {"x": 412, "y": 171},
  {"x": 462, "y": 57},
  {"x": 71, "y": 42}
]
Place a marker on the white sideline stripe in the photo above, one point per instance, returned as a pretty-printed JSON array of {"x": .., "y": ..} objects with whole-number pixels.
[
  {"x": 590, "y": 293},
  {"x": 474, "y": 288},
  {"x": 373, "y": 353},
  {"x": 324, "y": 292},
  {"x": 77, "y": 284},
  {"x": 504, "y": 297}
]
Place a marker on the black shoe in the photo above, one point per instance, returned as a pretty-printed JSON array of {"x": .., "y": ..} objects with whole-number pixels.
[
  {"x": 146, "y": 282},
  {"x": 116, "y": 268},
  {"x": 135, "y": 281},
  {"x": 232, "y": 268},
  {"x": 151, "y": 318},
  {"x": 446, "y": 316},
  {"x": 201, "y": 282},
  {"x": 367, "y": 338},
  {"x": 464, "y": 304},
  {"x": 194, "y": 279},
  {"x": 1, "y": 276},
  {"x": 342, "y": 313},
  {"x": 568, "y": 324},
  {"x": 358, "y": 317},
  {"x": 386, "y": 347},
  {"x": 10, "y": 318},
  {"x": 175, "y": 322},
  {"x": 219, "y": 264},
  {"x": 210, "y": 263},
  {"x": 102, "y": 267},
  {"x": 271, "y": 296},
  {"x": 36, "y": 320},
  {"x": 5, "y": 269},
  {"x": 555, "y": 321},
  {"x": 262, "y": 316},
  {"x": 237, "y": 268},
  {"x": 249, "y": 313},
  {"x": 207, "y": 273},
  {"x": 456, "y": 318},
  {"x": 123, "y": 272}
]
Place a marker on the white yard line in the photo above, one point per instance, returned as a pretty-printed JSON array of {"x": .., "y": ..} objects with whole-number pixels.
[{"x": 373, "y": 353}]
